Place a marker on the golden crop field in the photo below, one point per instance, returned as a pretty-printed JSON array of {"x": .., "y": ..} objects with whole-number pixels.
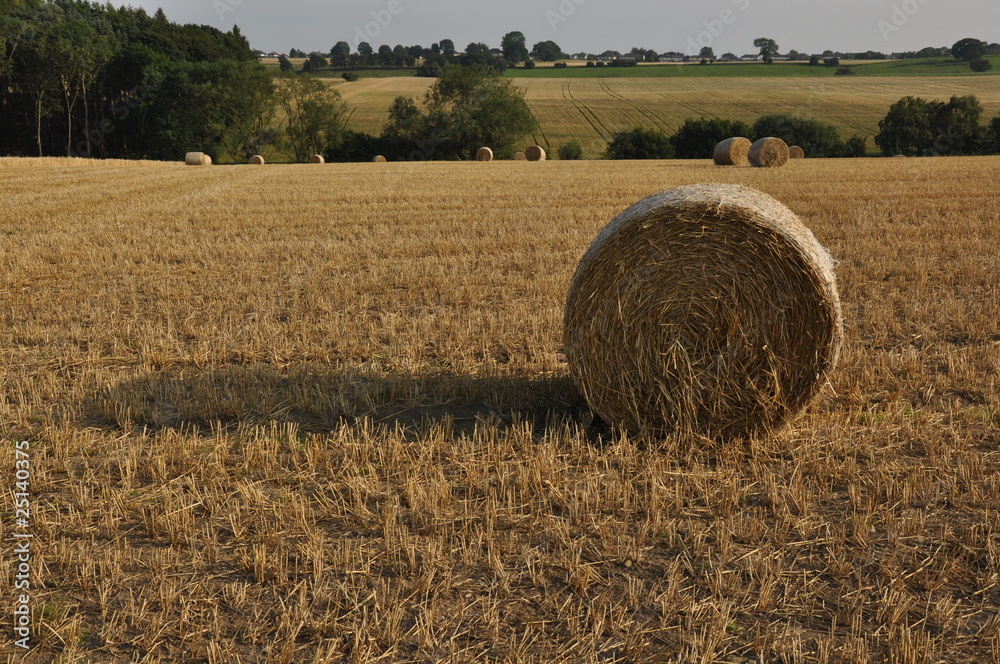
[
  {"x": 590, "y": 110},
  {"x": 307, "y": 413}
]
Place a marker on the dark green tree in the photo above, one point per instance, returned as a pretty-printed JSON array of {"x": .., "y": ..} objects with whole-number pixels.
[
  {"x": 639, "y": 143},
  {"x": 313, "y": 113},
  {"x": 818, "y": 139},
  {"x": 364, "y": 48},
  {"x": 908, "y": 128},
  {"x": 285, "y": 65},
  {"x": 969, "y": 49},
  {"x": 466, "y": 108},
  {"x": 697, "y": 138},
  {"x": 514, "y": 47},
  {"x": 768, "y": 48},
  {"x": 707, "y": 53},
  {"x": 980, "y": 65},
  {"x": 447, "y": 47},
  {"x": 339, "y": 53},
  {"x": 547, "y": 51}
]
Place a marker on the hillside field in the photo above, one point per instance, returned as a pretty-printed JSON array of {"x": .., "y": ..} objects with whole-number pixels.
[
  {"x": 590, "y": 110},
  {"x": 304, "y": 413}
]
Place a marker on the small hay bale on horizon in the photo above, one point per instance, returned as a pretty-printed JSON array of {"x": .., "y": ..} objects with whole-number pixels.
[
  {"x": 197, "y": 159},
  {"x": 768, "y": 153},
  {"x": 535, "y": 153},
  {"x": 519, "y": 156},
  {"x": 317, "y": 159},
  {"x": 732, "y": 152},
  {"x": 256, "y": 160},
  {"x": 795, "y": 152},
  {"x": 379, "y": 159},
  {"x": 706, "y": 310},
  {"x": 484, "y": 154}
]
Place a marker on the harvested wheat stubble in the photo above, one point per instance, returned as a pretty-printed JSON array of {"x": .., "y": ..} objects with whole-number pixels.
[
  {"x": 768, "y": 153},
  {"x": 732, "y": 152},
  {"x": 256, "y": 160},
  {"x": 484, "y": 154},
  {"x": 707, "y": 310},
  {"x": 317, "y": 159},
  {"x": 197, "y": 159},
  {"x": 535, "y": 153},
  {"x": 379, "y": 159},
  {"x": 795, "y": 152},
  {"x": 519, "y": 156}
]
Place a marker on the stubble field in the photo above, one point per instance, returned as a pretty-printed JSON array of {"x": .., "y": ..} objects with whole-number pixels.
[
  {"x": 320, "y": 414},
  {"x": 591, "y": 110}
]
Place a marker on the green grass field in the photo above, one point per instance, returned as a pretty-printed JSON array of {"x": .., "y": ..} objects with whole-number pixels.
[{"x": 590, "y": 110}]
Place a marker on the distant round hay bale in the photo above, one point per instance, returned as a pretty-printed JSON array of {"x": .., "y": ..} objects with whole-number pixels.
[
  {"x": 535, "y": 153},
  {"x": 256, "y": 160},
  {"x": 707, "y": 310},
  {"x": 519, "y": 156},
  {"x": 379, "y": 159},
  {"x": 732, "y": 152},
  {"x": 317, "y": 159},
  {"x": 900, "y": 155},
  {"x": 795, "y": 152},
  {"x": 484, "y": 154},
  {"x": 197, "y": 159},
  {"x": 768, "y": 153}
]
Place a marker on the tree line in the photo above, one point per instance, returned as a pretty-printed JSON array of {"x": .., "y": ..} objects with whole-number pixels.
[{"x": 913, "y": 127}]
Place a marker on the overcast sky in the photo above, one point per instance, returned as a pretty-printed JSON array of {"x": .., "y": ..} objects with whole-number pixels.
[{"x": 597, "y": 25}]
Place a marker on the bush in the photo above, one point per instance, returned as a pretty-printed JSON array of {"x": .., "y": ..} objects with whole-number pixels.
[
  {"x": 704, "y": 61},
  {"x": 601, "y": 63},
  {"x": 980, "y": 65},
  {"x": 814, "y": 60},
  {"x": 571, "y": 151},
  {"x": 915, "y": 126},
  {"x": 529, "y": 64},
  {"x": 696, "y": 139},
  {"x": 639, "y": 143},
  {"x": 590, "y": 63},
  {"x": 845, "y": 71},
  {"x": 560, "y": 65},
  {"x": 350, "y": 76},
  {"x": 817, "y": 138},
  {"x": 832, "y": 62},
  {"x": 856, "y": 146}
]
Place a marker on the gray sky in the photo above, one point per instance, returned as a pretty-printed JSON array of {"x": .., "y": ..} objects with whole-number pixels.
[{"x": 597, "y": 25}]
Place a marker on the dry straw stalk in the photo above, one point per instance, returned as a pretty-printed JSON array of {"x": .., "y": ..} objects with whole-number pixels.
[
  {"x": 795, "y": 152},
  {"x": 768, "y": 153},
  {"x": 535, "y": 153},
  {"x": 197, "y": 159},
  {"x": 484, "y": 154},
  {"x": 709, "y": 309},
  {"x": 732, "y": 152}
]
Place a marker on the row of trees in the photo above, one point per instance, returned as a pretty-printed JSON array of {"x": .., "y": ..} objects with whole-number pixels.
[
  {"x": 913, "y": 127},
  {"x": 95, "y": 80}
]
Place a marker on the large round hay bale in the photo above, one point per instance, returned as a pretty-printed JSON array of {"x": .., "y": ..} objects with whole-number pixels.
[
  {"x": 768, "y": 153},
  {"x": 317, "y": 159},
  {"x": 795, "y": 152},
  {"x": 535, "y": 153},
  {"x": 732, "y": 152},
  {"x": 256, "y": 160},
  {"x": 197, "y": 159},
  {"x": 484, "y": 154},
  {"x": 519, "y": 156},
  {"x": 708, "y": 310},
  {"x": 379, "y": 159}
]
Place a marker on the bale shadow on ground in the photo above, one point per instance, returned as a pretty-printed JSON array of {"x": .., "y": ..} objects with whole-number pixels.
[{"x": 321, "y": 399}]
